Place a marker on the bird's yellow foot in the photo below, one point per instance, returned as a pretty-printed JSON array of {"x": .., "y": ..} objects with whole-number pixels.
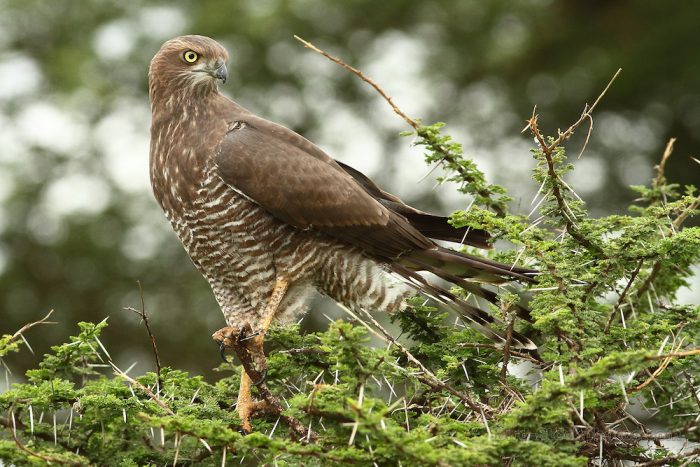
[
  {"x": 238, "y": 338},
  {"x": 247, "y": 406}
]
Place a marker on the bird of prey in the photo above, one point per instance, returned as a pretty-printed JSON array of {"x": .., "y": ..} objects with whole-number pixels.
[{"x": 268, "y": 217}]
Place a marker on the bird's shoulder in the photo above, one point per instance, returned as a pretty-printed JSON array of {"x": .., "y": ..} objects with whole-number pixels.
[{"x": 246, "y": 127}]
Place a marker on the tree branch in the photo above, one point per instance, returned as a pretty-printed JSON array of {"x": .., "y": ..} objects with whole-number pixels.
[{"x": 152, "y": 337}]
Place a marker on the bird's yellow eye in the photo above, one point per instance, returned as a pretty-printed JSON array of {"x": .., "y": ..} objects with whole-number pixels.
[{"x": 190, "y": 56}]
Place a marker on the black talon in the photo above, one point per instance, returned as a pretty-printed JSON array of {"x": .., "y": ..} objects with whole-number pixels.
[
  {"x": 263, "y": 377},
  {"x": 222, "y": 349}
]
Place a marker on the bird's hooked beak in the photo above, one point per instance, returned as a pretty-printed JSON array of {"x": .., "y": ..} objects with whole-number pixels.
[{"x": 219, "y": 71}]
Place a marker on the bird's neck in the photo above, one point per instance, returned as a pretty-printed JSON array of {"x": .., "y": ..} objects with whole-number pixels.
[
  {"x": 186, "y": 128},
  {"x": 167, "y": 104}
]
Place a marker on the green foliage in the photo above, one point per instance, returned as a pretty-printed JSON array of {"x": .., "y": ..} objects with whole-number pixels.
[
  {"x": 8, "y": 344},
  {"x": 442, "y": 149},
  {"x": 615, "y": 356}
]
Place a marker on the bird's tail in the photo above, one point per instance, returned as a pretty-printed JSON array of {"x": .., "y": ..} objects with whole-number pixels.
[
  {"x": 478, "y": 319},
  {"x": 457, "y": 264}
]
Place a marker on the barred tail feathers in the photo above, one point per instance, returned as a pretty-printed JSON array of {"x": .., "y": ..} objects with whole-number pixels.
[{"x": 478, "y": 319}]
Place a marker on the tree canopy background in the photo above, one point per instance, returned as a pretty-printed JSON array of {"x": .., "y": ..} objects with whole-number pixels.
[{"x": 79, "y": 226}]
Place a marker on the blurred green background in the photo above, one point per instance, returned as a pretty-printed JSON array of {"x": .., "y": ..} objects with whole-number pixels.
[{"x": 79, "y": 226}]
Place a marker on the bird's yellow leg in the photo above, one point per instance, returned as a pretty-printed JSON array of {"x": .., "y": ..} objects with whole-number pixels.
[
  {"x": 278, "y": 292},
  {"x": 246, "y": 405},
  {"x": 245, "y": 401}
]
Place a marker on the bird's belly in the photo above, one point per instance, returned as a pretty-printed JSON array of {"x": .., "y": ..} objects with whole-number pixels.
[
  {"x": 228, "y": 238},
  {"x": 241, "y": 249}
]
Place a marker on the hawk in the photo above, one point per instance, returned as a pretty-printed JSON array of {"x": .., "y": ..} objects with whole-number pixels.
[{"x": 268, "y": 217}]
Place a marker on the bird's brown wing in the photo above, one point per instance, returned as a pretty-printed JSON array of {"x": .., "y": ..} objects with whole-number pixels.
[
  {"x": 299, "y": 184},
  {"x": 430, "y": 225}
]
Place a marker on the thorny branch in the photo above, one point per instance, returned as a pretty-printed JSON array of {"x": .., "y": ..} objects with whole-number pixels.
[
  {"x": 557, "y": 183},
  {"x": 14, "y": 424},
  {"x": 428, "y": 377},
  {"x": 146, "y": 391},
  {"x": 513, "y": 353},
  {"x": 19, "y": 334},
  {"x": 569, "y": 217}
]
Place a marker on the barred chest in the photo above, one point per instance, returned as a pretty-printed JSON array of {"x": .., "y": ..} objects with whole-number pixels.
[{"x": 228, "y": 238}]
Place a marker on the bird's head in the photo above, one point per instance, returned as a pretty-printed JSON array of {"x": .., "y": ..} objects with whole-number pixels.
[{"x": 188, "y": 63}]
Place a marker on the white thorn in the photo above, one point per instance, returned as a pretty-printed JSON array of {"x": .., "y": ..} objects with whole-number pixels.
[
  {"x": 561, "y": 375},
  {"x": 205, "y": 444},
  {"x": 272, "y": 432},
  {"x": 353, "y": 433},
  {"x": 486, "y": 423},
  {"x": 194, "y": 396}
]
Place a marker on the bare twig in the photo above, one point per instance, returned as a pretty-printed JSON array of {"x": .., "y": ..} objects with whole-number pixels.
[
  {"x": 685, "y": 353},
  {"x": 442, "y": 149},
  {"x": 660, "y": 369},
  {"x": 20, "y": 332},
  {"x": 414, "y": 124},
  {"x": 659, "y": 180},
  {"x": 665, "y": 361},
  {"x": 688, "y": 428},
  {"x": 588, "y": 136},
  {"x": 587, "y": 114},
  {"x": 513, "y": 353},
  {"x": 152, "y": 337},
  {"x": 304, "y": 351}
]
